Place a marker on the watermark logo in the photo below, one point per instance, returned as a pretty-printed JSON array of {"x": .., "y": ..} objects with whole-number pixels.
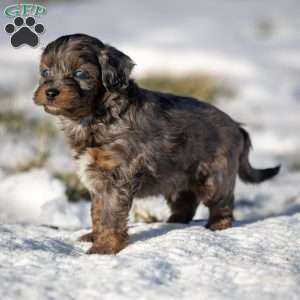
[{"x": 24, "y": 30}]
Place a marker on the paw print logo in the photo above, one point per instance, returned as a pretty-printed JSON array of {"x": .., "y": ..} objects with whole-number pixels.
[{"x": 24, "y": 32}]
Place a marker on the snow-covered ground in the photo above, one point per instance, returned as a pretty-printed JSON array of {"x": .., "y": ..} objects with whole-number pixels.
[
  {"x": 257, "y": 261},
  {"x": 255, "y": 46}
]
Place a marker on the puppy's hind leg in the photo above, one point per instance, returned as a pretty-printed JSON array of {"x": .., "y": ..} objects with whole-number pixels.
[
  {"x": 219, "y": 199},
  {"x": 183, "y": 206},
  {"x": 220, "y": 213}
]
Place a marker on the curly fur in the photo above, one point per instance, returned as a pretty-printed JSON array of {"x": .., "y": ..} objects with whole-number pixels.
[{"x": 131, "y": 142}]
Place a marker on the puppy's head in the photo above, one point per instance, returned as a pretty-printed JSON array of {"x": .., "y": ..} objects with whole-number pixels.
[{"x": 76, "y": 70}]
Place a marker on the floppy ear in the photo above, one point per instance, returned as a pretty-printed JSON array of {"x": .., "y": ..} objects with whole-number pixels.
[{"x": 116, "y": 68}]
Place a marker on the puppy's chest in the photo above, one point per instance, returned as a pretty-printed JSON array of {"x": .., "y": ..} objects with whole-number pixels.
[
  {"x": 98, "y": 166},
  {"x": 83, "y": 165},
  {"x": 101, "y": 156},
  {"x": 95, "y": 164}
]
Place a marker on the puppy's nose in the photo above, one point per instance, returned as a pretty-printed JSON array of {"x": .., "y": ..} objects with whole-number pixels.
[{"x": 52, "y": 93}]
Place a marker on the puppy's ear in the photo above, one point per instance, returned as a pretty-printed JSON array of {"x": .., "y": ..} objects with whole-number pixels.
[{"x": 116, "y": 68}]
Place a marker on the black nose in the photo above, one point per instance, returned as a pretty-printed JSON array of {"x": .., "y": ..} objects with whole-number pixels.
[{"x": 52, "y": 93}]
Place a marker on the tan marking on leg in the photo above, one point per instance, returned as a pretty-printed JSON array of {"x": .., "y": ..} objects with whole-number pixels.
[
  {"x": 220, "y": 218},
  {"x": 106, "y": 160},
  {"x": 88, "y": 237},
  {"x": 108, "y": 241}
]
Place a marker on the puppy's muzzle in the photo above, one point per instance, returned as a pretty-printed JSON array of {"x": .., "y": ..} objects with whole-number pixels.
[{"x": 52, "y": 93}]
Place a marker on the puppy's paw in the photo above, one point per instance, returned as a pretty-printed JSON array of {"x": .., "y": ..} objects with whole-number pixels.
[
  {"x": 179, "y": 218},
  {"x": 106, "y": 249},
  {"x": 108, "y": 243},
  {"x": 220, "y": 224},
  {"x": 89, "y": 237},
  {"x": 100, "y": 249}
]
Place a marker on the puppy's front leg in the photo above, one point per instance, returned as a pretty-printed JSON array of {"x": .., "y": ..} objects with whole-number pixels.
[{"x": 109, "y": 217}]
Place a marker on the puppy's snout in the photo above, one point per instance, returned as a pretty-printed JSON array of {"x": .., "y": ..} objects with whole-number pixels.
[{"x": 52, "y": 93}]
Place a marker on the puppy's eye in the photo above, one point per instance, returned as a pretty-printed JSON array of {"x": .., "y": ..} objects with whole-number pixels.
[
  {"x": 45, "y": 73},
  {"x": 80, "y": 74}
]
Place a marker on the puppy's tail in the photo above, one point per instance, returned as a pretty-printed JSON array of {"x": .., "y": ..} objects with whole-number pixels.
[{"x": 246, "y": 172}]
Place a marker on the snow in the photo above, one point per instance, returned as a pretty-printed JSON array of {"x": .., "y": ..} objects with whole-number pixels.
[
  {"x": 37, "y": 197},
  {"x": 40, "y": 257},
  {"x": 23, "y": 196},
  {"x": 256, "y": 261}
]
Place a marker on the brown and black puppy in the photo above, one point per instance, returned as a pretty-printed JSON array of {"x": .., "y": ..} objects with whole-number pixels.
[{"x": 131, "y": 142}]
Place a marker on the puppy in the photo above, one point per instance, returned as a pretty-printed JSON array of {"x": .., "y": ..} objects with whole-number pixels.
[{"x": 131, "y": 142}]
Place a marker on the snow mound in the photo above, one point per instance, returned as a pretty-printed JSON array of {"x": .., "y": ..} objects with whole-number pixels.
[
  {"x": 163, "y": 261},
  {"x": 38, "y": 197},
  {"x": 23, "y": 195}
]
